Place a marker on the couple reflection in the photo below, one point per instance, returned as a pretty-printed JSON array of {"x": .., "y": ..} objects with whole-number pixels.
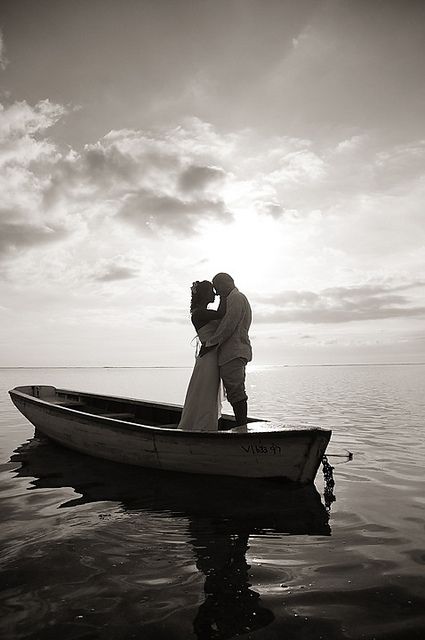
[
  {"x": 222, "y": 514},
  {"x": 231, "y": 607}
]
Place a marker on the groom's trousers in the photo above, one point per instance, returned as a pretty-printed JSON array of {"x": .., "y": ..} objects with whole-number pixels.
[{"x": 233, "y": 375}]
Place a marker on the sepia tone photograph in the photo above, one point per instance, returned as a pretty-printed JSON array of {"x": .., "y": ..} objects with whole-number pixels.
[{"x": 212, "y": 319}]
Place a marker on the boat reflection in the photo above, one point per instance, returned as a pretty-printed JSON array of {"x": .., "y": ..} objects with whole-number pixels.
[{"x": 222, "y": 513}]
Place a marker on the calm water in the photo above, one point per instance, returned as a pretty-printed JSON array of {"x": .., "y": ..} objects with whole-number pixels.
[{"x": 96, "y": 550}]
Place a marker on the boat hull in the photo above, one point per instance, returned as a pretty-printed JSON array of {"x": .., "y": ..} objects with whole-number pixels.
[{"x": 293, "y": 455}]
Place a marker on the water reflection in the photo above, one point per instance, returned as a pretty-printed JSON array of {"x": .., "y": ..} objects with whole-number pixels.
[
  {"x": 230, "y": 607},
  {"x": 221, "y": 515},
  {"x": 256, "y": 505}
]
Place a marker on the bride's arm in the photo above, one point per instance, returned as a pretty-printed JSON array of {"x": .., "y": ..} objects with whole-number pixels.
[{"x": 203, "y": 316}]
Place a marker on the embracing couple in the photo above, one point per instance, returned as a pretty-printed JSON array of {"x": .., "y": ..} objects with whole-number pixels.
[{"x": 225, "y": 351}]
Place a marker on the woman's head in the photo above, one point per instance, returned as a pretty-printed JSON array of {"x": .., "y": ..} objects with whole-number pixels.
[{"x": 202, "y": 294}]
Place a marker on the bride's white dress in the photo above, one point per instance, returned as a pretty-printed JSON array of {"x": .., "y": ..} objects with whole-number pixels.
[{"x": 202, "y": 405}]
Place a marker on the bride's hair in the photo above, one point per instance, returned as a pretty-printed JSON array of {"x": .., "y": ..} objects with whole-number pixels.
[{"x": 200, "y": 292}]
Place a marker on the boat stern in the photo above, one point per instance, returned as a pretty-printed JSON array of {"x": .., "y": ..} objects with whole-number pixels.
[{"x": 315, "y": 453}]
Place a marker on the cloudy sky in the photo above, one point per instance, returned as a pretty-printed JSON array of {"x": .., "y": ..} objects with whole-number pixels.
[{"x": 146, "y": 144}]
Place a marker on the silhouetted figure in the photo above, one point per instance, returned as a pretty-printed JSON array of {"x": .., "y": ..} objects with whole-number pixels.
[
  {"x": 202, "y": 405},
  {"x": 233, "y": 345}
]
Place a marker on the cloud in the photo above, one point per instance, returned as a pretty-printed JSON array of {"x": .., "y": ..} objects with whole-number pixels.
[
  {"x": 198, "y": 178},
  {"x": 22, "y": 119},
  {"x": 340, "y": 178},
  {"x": 26, "y": 159},
  {"x": 113, "y": 272},
  {"x": 177, "y": 178},
  {"x": 339, "y": 304},
  {"x": 365, "y": 203},
  {"x": 105, "y": 163},
  {"x": 168, "y": 180},
  {"x": 151, "y": 211},
  {"x": 131, "y": 184},
  {"x": 275, "y": 210},
  {"x": 353, "y": 143},
  {"x": 16, "y": 235},
  {"x": 3, "y": 60},
  {"x": 399, "y": 166},
  {"x": 26, "y": 156},
  {"x": 299, "y": 167},
  {"x": 152, "y": 181}
]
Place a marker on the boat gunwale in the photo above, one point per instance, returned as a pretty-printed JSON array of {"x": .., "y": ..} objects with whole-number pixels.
[{"x": 116, "y": 422}]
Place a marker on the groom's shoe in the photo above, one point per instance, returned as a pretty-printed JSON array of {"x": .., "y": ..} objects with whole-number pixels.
[
  {"x": 242, "y": 429},
  {"x": 241, "y": 411}
]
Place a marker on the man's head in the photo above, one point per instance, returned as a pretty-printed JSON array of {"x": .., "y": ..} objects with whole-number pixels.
[{"x": 223, "y": 284}]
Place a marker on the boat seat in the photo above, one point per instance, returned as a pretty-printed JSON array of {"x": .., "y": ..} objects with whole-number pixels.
[{"x": 172, "y": 425}]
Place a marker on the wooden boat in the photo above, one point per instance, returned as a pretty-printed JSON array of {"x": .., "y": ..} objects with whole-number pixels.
[{"x": 146, "y": 434}]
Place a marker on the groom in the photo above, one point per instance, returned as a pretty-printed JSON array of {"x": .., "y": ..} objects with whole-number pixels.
[{"x": 232, "y": 341}]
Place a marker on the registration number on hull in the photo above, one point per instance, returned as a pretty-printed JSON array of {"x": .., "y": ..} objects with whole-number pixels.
[{"x": 255, "y": 449}]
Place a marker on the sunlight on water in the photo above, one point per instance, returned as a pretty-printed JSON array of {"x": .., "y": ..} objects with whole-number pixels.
[{"x": 97, "y": 550}]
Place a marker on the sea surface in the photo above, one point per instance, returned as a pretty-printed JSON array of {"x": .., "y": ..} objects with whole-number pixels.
[{"x": 92, "y": 549}]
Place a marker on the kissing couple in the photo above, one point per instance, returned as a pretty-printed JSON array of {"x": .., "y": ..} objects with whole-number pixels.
[{"x": 225, "y": 351}]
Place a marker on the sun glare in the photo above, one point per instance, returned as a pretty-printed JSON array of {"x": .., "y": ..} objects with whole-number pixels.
[{"x": 247, "y": 248}]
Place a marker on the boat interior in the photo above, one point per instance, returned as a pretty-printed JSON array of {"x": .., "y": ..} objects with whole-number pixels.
[{"x": 126, "y": 409}]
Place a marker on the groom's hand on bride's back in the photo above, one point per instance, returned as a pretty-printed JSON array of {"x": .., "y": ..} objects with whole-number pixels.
[{"x": 204, "y": 349}]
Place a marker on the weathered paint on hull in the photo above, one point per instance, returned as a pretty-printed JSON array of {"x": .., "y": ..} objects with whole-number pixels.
[{"x": 290, "y": 455}]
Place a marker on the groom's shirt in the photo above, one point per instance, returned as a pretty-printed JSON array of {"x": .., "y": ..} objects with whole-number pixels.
[{"x": 232, "y": 333}]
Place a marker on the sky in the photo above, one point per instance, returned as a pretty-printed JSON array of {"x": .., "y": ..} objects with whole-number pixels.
[{"x": 148, "y": 144}]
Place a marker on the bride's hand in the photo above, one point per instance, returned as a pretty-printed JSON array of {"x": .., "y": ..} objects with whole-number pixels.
[{"x": 204, "y": 349}]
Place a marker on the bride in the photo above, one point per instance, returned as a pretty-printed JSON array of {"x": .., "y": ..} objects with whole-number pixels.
[{"x": 202, "y": 406}]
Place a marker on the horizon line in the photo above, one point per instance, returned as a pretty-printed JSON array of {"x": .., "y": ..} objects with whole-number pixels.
[{"x": 324, "y": 364}]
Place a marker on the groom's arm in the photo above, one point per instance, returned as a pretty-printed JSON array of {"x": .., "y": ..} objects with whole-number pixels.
[
  {"x": 234, "y": 312},
  {"x": 221, "y": 311}
]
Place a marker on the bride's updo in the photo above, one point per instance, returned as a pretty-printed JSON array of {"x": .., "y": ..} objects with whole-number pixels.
[{"x": 202, "y": 292}]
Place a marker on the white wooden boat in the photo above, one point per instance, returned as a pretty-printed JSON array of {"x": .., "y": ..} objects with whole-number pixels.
[{"x": 144, "y": 433}]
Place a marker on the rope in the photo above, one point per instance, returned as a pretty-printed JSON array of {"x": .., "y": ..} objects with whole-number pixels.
[
  {"x": 328, "y": 475},
  {"x": 347, "y": 455},
  {"x": 328, "y": 493}
]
